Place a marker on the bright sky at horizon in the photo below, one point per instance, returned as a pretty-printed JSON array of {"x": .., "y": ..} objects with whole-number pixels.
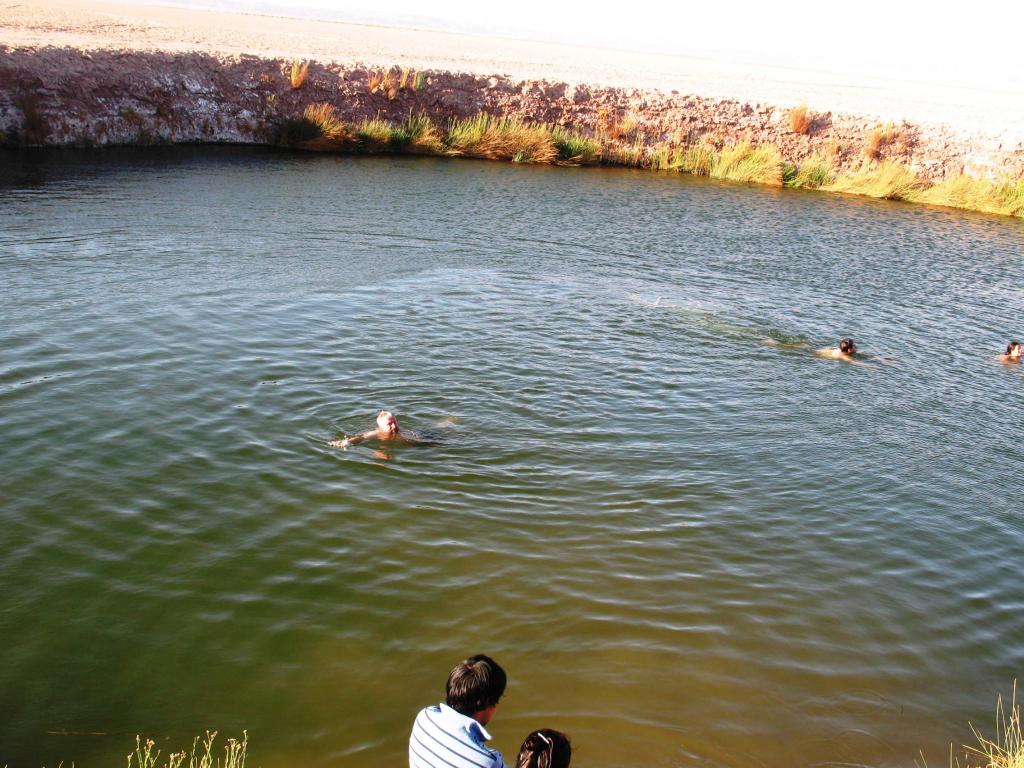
[{"x": 931, "y": 41}]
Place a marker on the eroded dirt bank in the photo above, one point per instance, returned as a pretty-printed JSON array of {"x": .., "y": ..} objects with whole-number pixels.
[{"x": 68, "y": 97}]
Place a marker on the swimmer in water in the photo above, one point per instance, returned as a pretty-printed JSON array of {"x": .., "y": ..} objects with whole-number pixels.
[
  {"x": 1013, "y": 353},
  {"x": 387, "y": 429},
  {"x": 845, "y": 352}
]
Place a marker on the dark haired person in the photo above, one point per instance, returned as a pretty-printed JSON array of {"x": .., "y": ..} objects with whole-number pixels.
[
  {"x": 452, "y": 734},
  {"x": 1013, "y": 353},
  {"x": 845, "y": 351},
  {"x": 545, "y": 748}
]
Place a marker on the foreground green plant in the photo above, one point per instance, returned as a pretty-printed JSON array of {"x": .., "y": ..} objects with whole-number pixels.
[{"x": 144, "y": 755}]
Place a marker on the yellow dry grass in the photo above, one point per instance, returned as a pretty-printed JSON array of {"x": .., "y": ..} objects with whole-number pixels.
[
  {"x": 501, "y": 138},
  {"x": 299, "y": 73},
  {"x": 886, "y": 180},
  {"x": 879, "y": 138},
  {"x": 1006, "y": 748},
  {"x": 799, "y": 119}
]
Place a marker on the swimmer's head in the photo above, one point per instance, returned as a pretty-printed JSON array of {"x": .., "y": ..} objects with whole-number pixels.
[
  {"x": 387, "y": 423},
  {"x": 545, "y": 748},
  {"x": 1013, "y": 349},
  {"x": 847, "y": 347}
]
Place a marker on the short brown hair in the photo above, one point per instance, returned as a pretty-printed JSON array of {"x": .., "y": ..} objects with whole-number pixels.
[{"x": 475, "y": 684}]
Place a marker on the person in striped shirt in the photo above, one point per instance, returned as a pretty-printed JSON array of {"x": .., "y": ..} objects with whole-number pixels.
[{"x": 452, "y": 734}]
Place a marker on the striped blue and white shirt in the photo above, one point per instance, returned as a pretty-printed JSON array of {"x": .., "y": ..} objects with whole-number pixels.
[{"x": 443, "y": 738}]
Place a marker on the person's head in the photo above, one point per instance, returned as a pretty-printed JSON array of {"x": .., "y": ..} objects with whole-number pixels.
[
  {"x": 387, "y": 423},
  {"x": 1013, "y": 349},
  {"x": 545, "y": 748},
  {"x": 475, "y": 686},
  {"x": 847, "y": 347}
]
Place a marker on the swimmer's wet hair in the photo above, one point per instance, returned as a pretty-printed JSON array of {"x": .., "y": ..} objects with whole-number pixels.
[
  {"x": 474, "y": 685},
  {"x": 1011, "y": 345},
  {"x": 846, "y": 345},
  {"x": 545, "y": 748}
]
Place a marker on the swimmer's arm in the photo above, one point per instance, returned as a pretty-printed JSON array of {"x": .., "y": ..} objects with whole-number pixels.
[{"x": 354, "y": 440}]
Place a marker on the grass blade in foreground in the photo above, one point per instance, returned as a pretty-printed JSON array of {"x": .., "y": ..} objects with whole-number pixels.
[{"x": 144, "y": 755}]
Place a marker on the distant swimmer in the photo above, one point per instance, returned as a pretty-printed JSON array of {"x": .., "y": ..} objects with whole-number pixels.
[
  {"x": 387, "y": 429},
  {"x": 1013, "y": 353},
  {"x": 845, "y": 352}
]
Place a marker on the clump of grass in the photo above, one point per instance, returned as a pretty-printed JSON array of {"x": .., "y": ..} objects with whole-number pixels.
[
  {"x": 813, "y": 173},
  {"x": 416, "y": 135},
  {"x": 698, "y": 159},
  {"x": 378, "y": 81},
  {"x": 746, "y": 163},
  {"x": 1004, "y": 197},
  {"x": 299, "y": 73},
  {"x": 420, "y": 135},
  {"x": 144, "y": 755},
  {"x": 575, "y": 149},
  {"x": 630, "y": 155},
  {"x": 1006, "y": 750},
  {"x": 501, "y": 138},
  {"x": 323, "y": 116},
  {"x": 318, "y": 127},
  {"x": 879, "y": 138},
  {"x": 799, "y": 119},
  {"x": 663, "y": 157},
  {"x": 376, "y": 135},
  {"x": 410, "y": 79},
  {"x": 886, "y": 180},
  {"x": 629, "y": 127}
]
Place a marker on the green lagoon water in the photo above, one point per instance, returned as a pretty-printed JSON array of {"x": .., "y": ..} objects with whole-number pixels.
[{"x": 686, "y": 547}]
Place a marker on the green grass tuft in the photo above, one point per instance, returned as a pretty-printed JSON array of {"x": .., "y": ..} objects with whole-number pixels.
[
  {"x": 419, "y": 135},
  {"x": 574, "y": 149},
  {"x": 501, "y": 138},
  {"x": 631, "y": 155},
  {"x": 886, "y": 180},
  {"x": 813, "y": 173},
  {"x": 1001, "y": 197},
  {"x": 377, "y": 135},
  {"x": 698, "y": 159},
  {"x": 743, "y": 162}
]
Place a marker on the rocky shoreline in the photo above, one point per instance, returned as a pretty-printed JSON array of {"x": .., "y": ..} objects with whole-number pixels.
[{"x": 68, "y": 97}]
